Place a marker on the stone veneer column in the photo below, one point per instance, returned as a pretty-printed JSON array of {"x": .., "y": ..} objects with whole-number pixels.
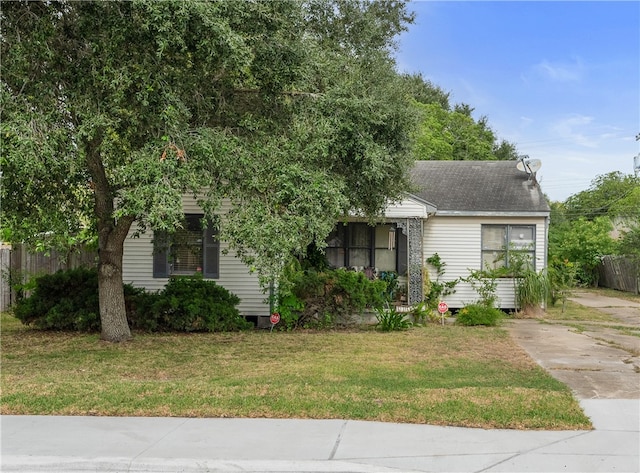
[{"x": 412, "y": 227}]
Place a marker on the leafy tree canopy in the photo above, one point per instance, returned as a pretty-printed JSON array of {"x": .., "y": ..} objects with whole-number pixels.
[
  {"x": 580, "y": 230},
  {"x": 453, "y": 134},
  {"x": 111, "y": 111},
  {"x": 582, "y": 242},
  {"x": 614, "y": 194}
]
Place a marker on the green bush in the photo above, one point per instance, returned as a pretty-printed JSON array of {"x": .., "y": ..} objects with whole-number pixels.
[
  {"x": 189, "y": 304},
  {"x": 423, "y": 313},
  {"x": 436, "y": 290},
  {"x": 290, "y": 308},
  {"x": 479, "y": 314},
  {"x": 328, "y": 298},
  {"x": 66, "y": 300}
]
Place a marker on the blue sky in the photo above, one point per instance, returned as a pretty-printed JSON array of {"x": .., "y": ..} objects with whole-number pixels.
[{"x": 561, "y": 80}]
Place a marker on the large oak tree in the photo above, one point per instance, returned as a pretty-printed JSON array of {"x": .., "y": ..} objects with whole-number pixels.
[{"x": 111, "y": 111}]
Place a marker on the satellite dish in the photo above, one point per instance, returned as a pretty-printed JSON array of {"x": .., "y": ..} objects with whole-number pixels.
[{"x": 529, "y": 166}]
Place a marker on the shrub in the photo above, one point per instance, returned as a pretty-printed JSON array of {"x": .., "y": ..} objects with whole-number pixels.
[
  {"x": 436, "y": 290},
  {"x": 562, "y": 279},
  {"x": 66, "y": 300},
  {"x": 423, "y": 313},
  {"x": 289, "y": 307},
  {"x": 391, "y": 279},
  {"x": 479, "y": 314},
  {"x": 484, "y": 283},
  {"x": 189, "y": 304},
  {"x": 327, "y": 298},
  {"x": 353, "y": 292}
]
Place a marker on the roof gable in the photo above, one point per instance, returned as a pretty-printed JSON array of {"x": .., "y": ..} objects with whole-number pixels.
[{"x": 477, "y": 187}]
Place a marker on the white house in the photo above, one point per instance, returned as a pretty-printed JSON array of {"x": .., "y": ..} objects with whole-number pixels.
[
  {"x": 484, "y": 208},
  {"x": 468, "y": 212}
]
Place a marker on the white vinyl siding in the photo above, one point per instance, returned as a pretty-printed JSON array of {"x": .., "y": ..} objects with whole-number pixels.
[
  {"x": 234, "y": 275},
  {"x": 458, "y": 242},
  {"x": 408, "y": 207}
]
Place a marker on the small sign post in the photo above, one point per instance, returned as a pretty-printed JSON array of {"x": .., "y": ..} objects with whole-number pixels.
[
  {"x": 442, "y": 308},
  {"x": 275, "y": 318}
]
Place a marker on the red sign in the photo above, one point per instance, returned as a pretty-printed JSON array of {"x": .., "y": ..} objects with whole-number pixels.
[
  {"x": 443, "y": 307},
  {"x": 275, "y": 318}
]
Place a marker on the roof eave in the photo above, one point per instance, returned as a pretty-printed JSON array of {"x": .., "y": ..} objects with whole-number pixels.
[{"x": 490, "y": 213}]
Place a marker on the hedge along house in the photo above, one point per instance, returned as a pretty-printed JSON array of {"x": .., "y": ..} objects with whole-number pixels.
[
  {"x": 486, "y": 212},
  {"x": 466, "y": 211}
]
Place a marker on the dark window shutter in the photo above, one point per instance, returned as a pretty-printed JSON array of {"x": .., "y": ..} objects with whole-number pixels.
[
  {"x": 211, "y": 254},
  {"x": 160, "y": 254}
]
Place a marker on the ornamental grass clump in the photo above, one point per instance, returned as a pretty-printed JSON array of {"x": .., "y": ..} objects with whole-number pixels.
[
  {"x": 532, "y": 291},
  {"x": 390, "y": 320}
]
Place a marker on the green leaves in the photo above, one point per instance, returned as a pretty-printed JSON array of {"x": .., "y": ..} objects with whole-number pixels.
[
  {"x": 293, "y": 111},
  {"x": 446, "y": 134},
  {"x": 582, "y": 242},
  {"x": 581, "y": 227}
]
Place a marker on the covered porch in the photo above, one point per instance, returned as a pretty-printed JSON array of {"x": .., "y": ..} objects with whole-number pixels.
[{"x": 392, "y": 245}]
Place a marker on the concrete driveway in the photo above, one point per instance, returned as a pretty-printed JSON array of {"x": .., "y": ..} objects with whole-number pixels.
[{"x": 596, "y": 360}]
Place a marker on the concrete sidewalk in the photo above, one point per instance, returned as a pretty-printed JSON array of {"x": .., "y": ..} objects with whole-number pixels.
[{"x": 117, "y": 444}]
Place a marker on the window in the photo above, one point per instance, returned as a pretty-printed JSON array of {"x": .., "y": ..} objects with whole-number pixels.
[
  {"x": 361, "y": 245},
  {"x": 187, "y": 251},
  {"x": 504, "y": 245}
]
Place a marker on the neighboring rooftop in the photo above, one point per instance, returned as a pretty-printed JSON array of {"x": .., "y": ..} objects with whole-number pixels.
[{"x": 477, "y": 186}]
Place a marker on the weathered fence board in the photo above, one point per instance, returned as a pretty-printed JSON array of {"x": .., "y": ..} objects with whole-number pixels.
[
  {"x": 619, "y": 272},
  {"x": 20, "y": 264},
  {"x": 5, "y": 288}
]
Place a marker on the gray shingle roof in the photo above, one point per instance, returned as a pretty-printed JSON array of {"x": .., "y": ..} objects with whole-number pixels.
[{"x": 477, "y": 186}]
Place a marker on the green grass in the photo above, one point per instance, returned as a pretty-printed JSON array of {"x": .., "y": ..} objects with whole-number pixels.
[
  {"x": 603, "y": 291},
  {"x": 576, "y": 312},
  {"x": 475, "y": 377},
  {"x": 582, "y": 318}
]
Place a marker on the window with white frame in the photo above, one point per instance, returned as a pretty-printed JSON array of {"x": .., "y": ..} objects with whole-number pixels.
[
  {"x": 189, "y": 250},
  {"x": 508, "y": 246}
]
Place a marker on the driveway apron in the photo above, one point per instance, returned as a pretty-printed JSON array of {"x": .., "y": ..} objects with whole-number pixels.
[{"x": 596, "y": 360}]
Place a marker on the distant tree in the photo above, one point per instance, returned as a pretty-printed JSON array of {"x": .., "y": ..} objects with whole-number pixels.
[
  {"x": 582, "y": 242},
  {"x": 505, "y": 151},
  {"x": 629, "y": 243},
  {"x": 425, "y": 92},
  {"x": 614, "y": 194},
  {"x": 445, "y": 134},
  {"x": 112, "y": 110}
]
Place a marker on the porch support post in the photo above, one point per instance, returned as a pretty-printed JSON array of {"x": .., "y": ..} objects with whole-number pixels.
[{"x": 412, "y": 227}]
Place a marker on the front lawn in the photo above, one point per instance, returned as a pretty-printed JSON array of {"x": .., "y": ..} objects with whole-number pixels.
[{"x": 444, "y": 375}]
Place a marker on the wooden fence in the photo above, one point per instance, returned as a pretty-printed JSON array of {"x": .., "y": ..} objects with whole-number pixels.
[
  {"x": 19, "y": 265},
  {"x": 620, "y": 272}
]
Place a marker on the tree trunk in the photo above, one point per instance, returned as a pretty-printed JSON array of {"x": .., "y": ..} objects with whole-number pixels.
[
  {"x": 112, "y": 233},
  {"x": 113, "y": 316}
]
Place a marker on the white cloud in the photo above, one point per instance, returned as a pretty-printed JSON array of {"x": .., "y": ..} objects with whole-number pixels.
[
  {"x": 574, "y": 129},
  {"x": 559, "y": 71},
  {"x": 525, "y": 121}
]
